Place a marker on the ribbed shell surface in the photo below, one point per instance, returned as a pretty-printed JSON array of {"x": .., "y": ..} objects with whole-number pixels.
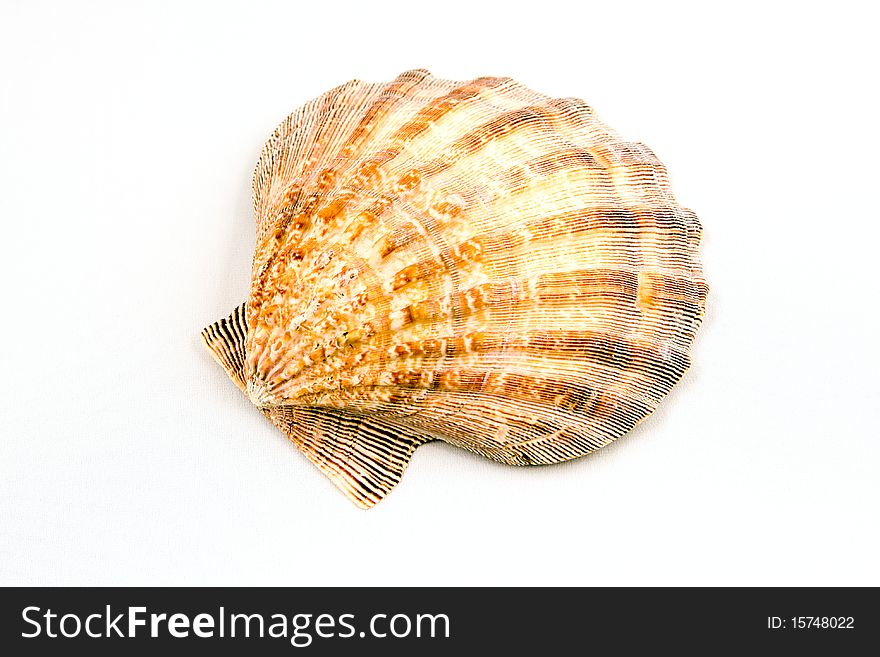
[{"x": 467, "y": 261}]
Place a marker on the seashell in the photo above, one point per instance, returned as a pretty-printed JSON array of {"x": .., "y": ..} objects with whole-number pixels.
[{"x": 472, "y": 262}]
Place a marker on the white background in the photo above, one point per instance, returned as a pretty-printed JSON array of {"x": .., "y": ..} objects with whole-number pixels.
[{"x": 128, "y": 134}]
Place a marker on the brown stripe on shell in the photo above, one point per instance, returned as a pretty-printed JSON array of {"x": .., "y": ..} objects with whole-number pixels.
[
  {"x": 366, "y": 172},
  {"x": 495, "y": 129},
  {"x": 615, "y": 287}
]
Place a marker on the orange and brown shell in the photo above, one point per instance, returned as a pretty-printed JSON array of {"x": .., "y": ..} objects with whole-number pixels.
[{"x": 472, "y": 262}]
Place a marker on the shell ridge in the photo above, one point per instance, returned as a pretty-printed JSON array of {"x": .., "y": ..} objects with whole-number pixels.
[
  {"x": 364, "y": 457},
  {"x": 226, "y": 339}
]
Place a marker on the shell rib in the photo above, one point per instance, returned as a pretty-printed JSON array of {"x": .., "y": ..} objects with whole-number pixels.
[{"x": 466, "y": 261}]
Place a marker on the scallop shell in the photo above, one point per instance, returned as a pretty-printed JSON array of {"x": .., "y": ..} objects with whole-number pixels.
[{"x": 472, "y": 262}]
